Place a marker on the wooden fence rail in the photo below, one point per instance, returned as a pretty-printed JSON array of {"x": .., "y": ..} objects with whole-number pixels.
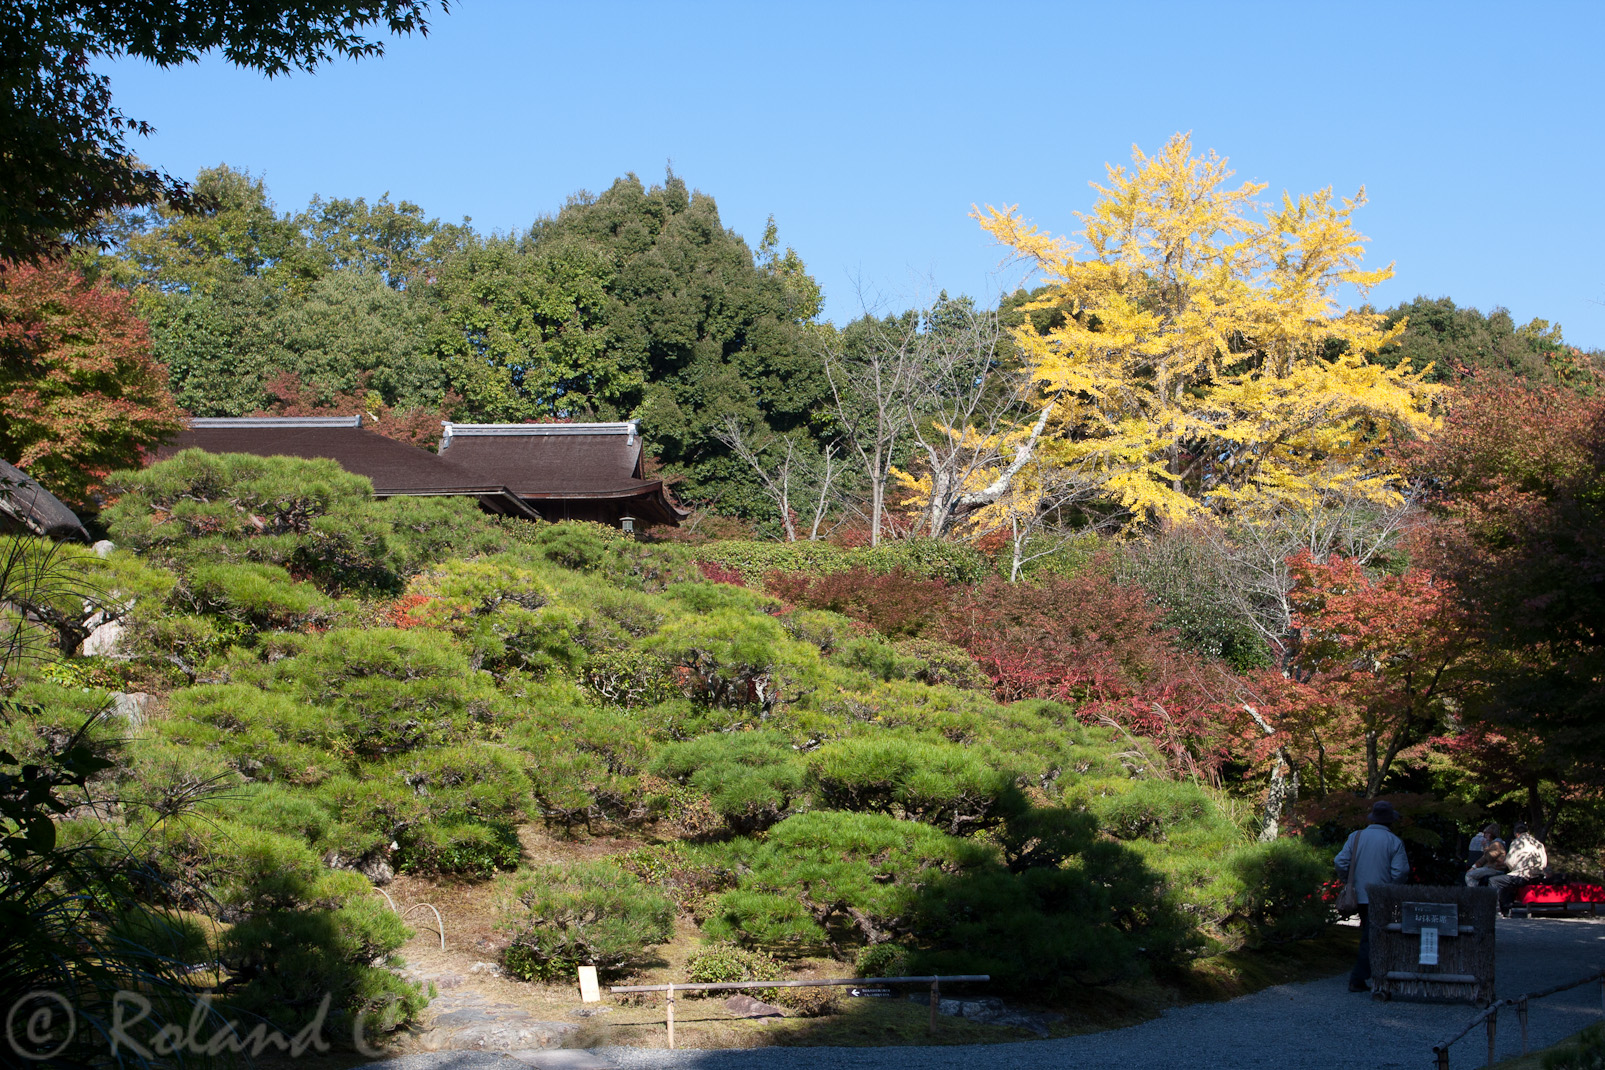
[
  {"x": 934, "y": 981},
  {"x": 1491, "y": 1017}
]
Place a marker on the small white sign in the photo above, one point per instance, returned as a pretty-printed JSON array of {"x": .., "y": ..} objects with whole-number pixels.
[
  {"x": 1429, "y": 947},
  {"x": 591, "y": 992}
]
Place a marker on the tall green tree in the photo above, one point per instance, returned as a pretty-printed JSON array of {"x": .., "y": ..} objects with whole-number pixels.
[
  {"x": 638, "y": 302},
  {"x": 522, "y": 335},
  {"x": 1459, "y": 343},
  {"x": 239, "y": 294},
  {"x": 394, "y": 240},
  {"x": 65, "y": 161}
]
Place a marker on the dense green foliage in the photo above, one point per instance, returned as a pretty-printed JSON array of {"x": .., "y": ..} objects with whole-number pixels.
[
  {"x": 636, "y": 302},
  {"x": 564, "y": 915},
  {"x": 1460, "y": 343},
  {"x": 66, "y": 159},
  {"x": 819, "y": 789}
]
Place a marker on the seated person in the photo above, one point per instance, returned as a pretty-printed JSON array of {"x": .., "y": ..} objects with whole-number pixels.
[
  {"x": 1480, "y": 842},
  {"x": 1491, "y": 863},
  {"x": 1526, "y": 862}
]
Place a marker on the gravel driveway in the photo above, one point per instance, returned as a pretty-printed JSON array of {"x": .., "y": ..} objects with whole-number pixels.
[{"x": 1319, "y": 1025}]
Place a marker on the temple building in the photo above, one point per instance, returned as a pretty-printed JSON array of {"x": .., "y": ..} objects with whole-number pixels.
[{"x": 537, "y": 471}]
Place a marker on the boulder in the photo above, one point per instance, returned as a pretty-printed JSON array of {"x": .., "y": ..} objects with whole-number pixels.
[
  {"x": 745, "y": 1006},
  {"x": 106, "y": 639},
  {"x": 129, "y": 708}
]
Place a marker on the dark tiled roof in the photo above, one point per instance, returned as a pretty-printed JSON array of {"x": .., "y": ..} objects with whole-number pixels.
[
  {"x": 562, "y": 462},
  {"x": 25, "y": 502},
  {"x": 552, "y": 460},
  {"x": 513, "y": 464},
  {"x": 394, "y": 467}
]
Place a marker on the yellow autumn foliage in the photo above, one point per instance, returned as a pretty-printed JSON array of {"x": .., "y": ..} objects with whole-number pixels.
[{"x": 1202, "y": 360}]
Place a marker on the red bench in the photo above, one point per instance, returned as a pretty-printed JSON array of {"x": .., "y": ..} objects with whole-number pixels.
[{"x": 1563, "y": 896}]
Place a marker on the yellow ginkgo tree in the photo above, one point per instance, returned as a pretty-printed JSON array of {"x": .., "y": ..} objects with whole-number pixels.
[{"x": 1199, "y": 358}]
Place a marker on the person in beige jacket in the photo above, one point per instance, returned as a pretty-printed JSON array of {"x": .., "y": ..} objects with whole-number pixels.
[{"x": 1526, "y": 861}]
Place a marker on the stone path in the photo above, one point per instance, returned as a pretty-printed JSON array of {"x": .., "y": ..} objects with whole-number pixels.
[
  {"x": 1317, "y": 1025},
  {"x": 461, "y": 1021}
]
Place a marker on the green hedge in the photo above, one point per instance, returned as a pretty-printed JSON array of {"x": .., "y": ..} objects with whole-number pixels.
[{"x": 955, "y": 562}]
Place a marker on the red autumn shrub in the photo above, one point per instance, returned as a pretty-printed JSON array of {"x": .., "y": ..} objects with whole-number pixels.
[
  {"x": 897, "y": 604},
  {"x": 1085, "y": 641},
  {"x": 404, "y": 611},
  {"x": 1100, "y": 646},
  {"x": 714, "y": 572}
]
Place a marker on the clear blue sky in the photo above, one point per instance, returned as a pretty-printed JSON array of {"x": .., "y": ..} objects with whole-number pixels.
[{"x": 869, "y": 129}]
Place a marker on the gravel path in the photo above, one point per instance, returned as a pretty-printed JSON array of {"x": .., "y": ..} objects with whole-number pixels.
[{"x": 1319, "y": 1025}]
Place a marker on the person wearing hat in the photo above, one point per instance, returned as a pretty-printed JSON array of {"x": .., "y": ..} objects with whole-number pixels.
[{"x": 1374, "y": 855}]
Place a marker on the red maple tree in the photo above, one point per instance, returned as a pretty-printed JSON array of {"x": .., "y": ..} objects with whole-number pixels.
[
  {"x": 81, "y": 393},
  {"x": 1375, "y": 663}
]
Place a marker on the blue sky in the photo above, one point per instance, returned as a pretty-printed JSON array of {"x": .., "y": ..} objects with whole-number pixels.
[{"x": 869, "y": 129}]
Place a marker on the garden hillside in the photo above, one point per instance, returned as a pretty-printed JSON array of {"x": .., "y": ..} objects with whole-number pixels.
[{"x": 820, "y": 767}]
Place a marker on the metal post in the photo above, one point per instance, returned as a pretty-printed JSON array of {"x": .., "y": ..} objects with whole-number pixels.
[
  {"x": 1443, "y": 1057},
  {"x": 1521, "y": 1013},
  {"x": 936, "y": 1002},
  {"x": 671, "y": 1020},
  {"x": 1493, "y": 1028}
]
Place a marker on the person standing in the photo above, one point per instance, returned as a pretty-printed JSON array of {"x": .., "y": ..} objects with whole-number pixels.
[
  {"x": 1373, "y": 855},
  {"x": 1526, "y": 861}
]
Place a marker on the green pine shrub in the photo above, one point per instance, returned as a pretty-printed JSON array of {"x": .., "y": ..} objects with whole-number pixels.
[
  {"x": 1276, "y": 892},
  {"x": 751, "y": 779},
  {"x": 460, "y": 590},
  {"x": 584, "y": 763},
  {"x": 341, "y": 944},
  {"x": 825, "y": 630},
  {"x": 1050, "y": 929},
  {"x": 876, "y": 657},
  {"x": 882, "y": 960},
  {"x": 385, "y": 691},
  {"x": 933, "y": 558},
  {"x": 637, "y": 614},
  {"x": 578, "y": 545},
  {"x": 719, "y": 963},
  {"x": 941, "y": 663},
  {"x": 724, "y": 657},
  {"x": 825, "y": 881},
  {"x": 266, "y": 735},
  {"x": 428, "y": 531},
  {"x": 955, "y": 788},
  {"x": 308, "y": 515},
  {"x": 1157, "y": 810},
  {"x": 629, "y": 677},
  {"x": 608, "y": 553},
  {"x": 693, "y": 875},
  {"x": 464, "y": 849},
  {"x": 1585, "y": 1051},
  {"x": 258, "y": 596},
  {"x": 592, "y": 913}
]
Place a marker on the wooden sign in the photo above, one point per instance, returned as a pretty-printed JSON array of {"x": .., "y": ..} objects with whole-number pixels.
[
  {"x": 1443, "y": 918},
  {"x": 590, "y": 992}
]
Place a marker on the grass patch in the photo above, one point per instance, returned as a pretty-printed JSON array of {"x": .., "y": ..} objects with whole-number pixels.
[
  {"x": 1239, "y": 973},
  {"x": 1577, "y": 1050}
]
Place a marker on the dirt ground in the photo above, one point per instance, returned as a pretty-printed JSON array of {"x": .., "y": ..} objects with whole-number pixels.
[{"x": 470, "y": 960}]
